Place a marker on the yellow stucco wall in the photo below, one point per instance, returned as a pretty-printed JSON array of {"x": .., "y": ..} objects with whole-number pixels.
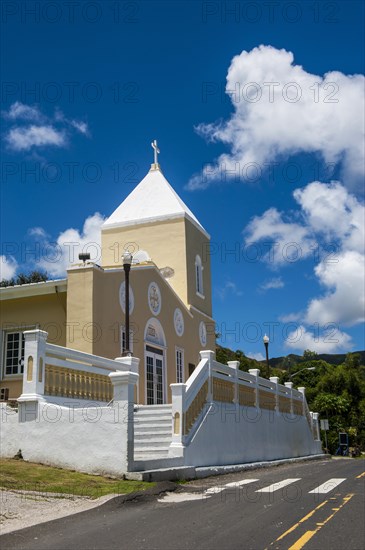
[
  {"x": 198, "y": 244},
  {"x": 46, "y": 312},
  {"x": 173, "y": 243},
  {"x": 80, "y": 306},
  {"x": 106, "y": 317}
]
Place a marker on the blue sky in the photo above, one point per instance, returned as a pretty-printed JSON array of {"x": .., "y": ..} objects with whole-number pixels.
[{"x": 273, "y": 169}]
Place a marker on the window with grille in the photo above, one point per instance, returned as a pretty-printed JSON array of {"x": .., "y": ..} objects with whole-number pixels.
[
  {"x": 14, "y": 353},
  {"x": 179, "y": 366},
  {"x": 199, "y": 276}
]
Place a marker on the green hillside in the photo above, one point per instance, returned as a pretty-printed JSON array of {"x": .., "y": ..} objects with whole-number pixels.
[{"x": 335, "y": 387}]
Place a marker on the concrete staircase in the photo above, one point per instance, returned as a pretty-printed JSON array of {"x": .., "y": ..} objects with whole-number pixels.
[{"x": 152, "y": 432}]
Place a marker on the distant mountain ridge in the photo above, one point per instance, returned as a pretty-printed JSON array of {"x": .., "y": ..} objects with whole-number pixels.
[{"x": 332, "y": 358}]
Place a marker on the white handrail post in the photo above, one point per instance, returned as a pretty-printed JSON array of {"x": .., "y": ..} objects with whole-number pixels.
[
  {"x": 290, "y": 386},
  {"x": 124, "y": 382},
  {"x": 275, "y": 380},
  {"x": 235, "y": 366},
  {"x": 178, "y": 406},
  {"x": 34, "y": 365},
  {"x": 315, "y": 417},
  {"x": 209, "y": 355},
  {"x": 302, "y": 391},
  {"x": 256, "y": 373}
]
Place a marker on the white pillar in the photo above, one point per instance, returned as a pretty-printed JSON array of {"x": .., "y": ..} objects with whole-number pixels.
[
  {"x": 302, "y": 391},
  {"x": 290, "y": 386},
  {"x": 256, "y": 373},
  {"x": 275, "y": 380},
  {"x": 315, "y": 418},
  {"x": 235, "y": 366},
  {"x": 177, "y": 442},
  {"x": 123, "y": 400},
  {"x": 209, "y": 355},
  {"x": 130, "y": 364},
  {"x": 34, "y": 365}
]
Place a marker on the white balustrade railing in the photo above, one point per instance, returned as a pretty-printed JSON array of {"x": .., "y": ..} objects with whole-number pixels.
[
  {"x": 214, "y": 382},
  {"x": 51, "y": 370}
]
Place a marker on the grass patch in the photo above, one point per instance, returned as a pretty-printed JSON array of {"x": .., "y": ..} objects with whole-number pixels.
[{"x": 28, "y": 476}]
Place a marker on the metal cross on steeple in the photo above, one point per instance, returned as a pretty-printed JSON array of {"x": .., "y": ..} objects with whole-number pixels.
[{"x": 156, "y": 150}]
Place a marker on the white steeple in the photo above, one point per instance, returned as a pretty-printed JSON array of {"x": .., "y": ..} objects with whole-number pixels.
[{"x": 152, "y": 200}]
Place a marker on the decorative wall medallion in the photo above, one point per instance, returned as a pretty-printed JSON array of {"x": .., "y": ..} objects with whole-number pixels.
[
  {"x": 122, "y": 298},
  {"x": 154, "y": 298},
  {"x": 179, "y": 322},
  {"x": 203, "y": 334}
]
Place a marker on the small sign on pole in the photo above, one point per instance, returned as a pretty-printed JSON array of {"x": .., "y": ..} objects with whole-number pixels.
[
  {"x": 324, "y": 424},
  {"x": 325, "y": 428}
]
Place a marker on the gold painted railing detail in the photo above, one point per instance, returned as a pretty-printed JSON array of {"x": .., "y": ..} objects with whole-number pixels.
[
  {"x": 246, "y": 396},
  {"x": 77, "y": 384},
  {"x": 309, "y": 418},
  {"x": 267, "y": 400},
  {"x": 195, "y": 408},
  {"x": 284, "y": 404},
  {"x": 223, "y": 390},
  {"x": 297, "y": 407}
]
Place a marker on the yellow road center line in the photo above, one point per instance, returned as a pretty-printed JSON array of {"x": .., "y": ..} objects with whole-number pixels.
[
  {"x": 298, "y": 545},
  {"x": 302, "y": 541},
  {"x": 361, "y": 475},
  {"x": 291, "y": 529}
]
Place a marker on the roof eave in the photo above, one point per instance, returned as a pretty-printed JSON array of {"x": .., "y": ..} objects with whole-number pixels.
[{"x": 33, "y": 289}]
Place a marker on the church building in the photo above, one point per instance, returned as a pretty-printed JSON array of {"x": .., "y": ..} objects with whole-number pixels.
[{"x": 170, "y": 308}]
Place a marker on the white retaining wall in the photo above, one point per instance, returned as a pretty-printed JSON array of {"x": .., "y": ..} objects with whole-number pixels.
[
  {"x": 232, "y": 434},
  {"x": 90, "y": 438}
]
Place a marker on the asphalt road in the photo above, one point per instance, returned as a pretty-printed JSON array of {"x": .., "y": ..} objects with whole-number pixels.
[{"x": 316, "y": 505}]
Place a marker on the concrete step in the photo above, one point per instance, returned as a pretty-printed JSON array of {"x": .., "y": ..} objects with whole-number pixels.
[
  {"x": 152, "y": 417},
  {"x": 152, "y": 432},
  {"x": 161, "y": 442},
  {"x": 142, "y": 436},
  {"x": 152, "y": 428},
  {"x": 152, "y": 409},
  {"x": 150, "y": 453},
  {"x": 148, "y": 420}
]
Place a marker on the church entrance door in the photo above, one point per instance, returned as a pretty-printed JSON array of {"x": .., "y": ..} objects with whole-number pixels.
[{"x": 154, "y": 375}]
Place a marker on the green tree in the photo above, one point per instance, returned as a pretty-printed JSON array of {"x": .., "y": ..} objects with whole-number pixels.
[{"x": 23, "y": 279}]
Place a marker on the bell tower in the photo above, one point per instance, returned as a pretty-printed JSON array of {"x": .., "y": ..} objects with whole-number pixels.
[{"x": 154, "y": 224}]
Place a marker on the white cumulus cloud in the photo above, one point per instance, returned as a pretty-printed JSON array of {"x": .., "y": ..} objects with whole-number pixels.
[
  {"x": 332, "y": 340},
  {"x": 59, "y": 255},
  {"x": 288, "y": 240},
  {"x": 329, "y": 225},
  {"x": 274, "y": 283},
  {"x": 8, "y": 267},
  {"x": 19, "y": 110},
  {"x": 280, "y": 109},
  {"x": 229, "y": 287},
  {"x": 258, "y": 356},
  {"x": 24, "y": 138},
  {"x": 344, "y": 299},
  {"x": 30, "y": 129}
]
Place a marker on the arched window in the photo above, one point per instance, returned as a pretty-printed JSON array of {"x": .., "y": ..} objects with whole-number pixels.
[{"x": 199, "y": 276}]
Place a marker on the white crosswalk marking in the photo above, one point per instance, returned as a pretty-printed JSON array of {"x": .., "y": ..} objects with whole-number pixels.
[
  {"x": 207, "y": 493},
  {"x": 214, "y": 490},
  {"x": 278, "y": 485},
  {"x": 328, "y": 486},
  {"x": 239, "y": 483}
]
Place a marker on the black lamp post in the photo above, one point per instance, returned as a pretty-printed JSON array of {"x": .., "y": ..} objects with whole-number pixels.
[
  {"x": 266, "y": 344},
  {"x": 127, "y": 260},
  {"x": 299, "y": 371}
]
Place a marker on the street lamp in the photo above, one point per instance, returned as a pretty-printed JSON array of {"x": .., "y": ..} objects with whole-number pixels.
[
  {"x": 266, "y": 344},
  {"x": 127, "y": 260},
  {"x": 298, "y": 371}
]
